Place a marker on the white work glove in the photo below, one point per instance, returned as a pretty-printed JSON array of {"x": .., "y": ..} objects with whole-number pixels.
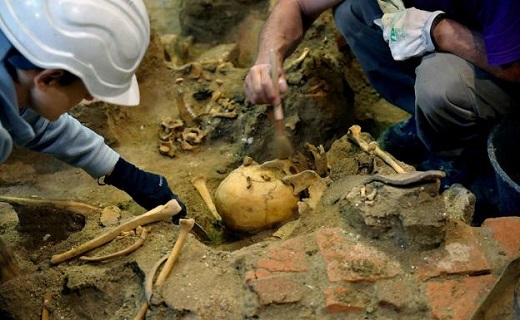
[
  {"x": 408, "y": 32},
  {"x": 390, "y": 6}
]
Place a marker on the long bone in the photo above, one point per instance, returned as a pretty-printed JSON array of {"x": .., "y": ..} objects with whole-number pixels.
[
  {"x": 136, "y": 245},
  {"x": 373, "y": 146},
  {"x": 159, "y": 213},
  {"x": 199, "y": 183},
  {"x": 354, "y": 134},
  {"x": 185, "y": 227}
]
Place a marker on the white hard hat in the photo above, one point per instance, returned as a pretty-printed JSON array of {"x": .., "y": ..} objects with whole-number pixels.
[{"x": 100, "y": 41}]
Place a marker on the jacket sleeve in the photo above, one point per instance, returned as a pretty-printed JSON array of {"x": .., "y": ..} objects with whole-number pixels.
[
  {"x": 71, "y": 142},
  {"x": 6, "y": 144}
]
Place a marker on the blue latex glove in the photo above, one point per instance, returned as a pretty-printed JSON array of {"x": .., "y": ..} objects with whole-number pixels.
[{"x": 149, "y": 190}]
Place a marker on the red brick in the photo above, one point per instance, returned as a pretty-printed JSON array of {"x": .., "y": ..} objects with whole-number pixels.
[
  {"x": 287, "y": 257},
  {"x": 255, "y": 274},
  {"x": 457, "y": 299},
  {"x": 461, "y": 254},
  {"x": 342, "y": 299},
  {"x": 400, "y": 294},
  {"x": 505, "y": 231},
  {"x": 277, "y": 289},
  {"x": 353, "y": 261}
]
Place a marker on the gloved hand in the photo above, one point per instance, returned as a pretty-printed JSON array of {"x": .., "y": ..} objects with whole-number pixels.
[
  {"x": 149, "y": 190},
  {"x": 408, "y": 32}
]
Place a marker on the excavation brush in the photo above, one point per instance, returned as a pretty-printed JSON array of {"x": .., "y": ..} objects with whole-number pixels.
[{"x": 282, "y": 146}]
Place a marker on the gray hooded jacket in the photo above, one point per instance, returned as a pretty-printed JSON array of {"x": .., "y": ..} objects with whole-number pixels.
[{"x": 66, "y": 138}]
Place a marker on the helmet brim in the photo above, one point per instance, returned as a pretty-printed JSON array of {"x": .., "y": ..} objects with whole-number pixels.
[{"x": 129, "y": 98}]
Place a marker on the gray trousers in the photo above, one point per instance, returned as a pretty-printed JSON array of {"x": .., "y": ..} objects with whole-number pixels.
[{"x": 454, "y": 102}]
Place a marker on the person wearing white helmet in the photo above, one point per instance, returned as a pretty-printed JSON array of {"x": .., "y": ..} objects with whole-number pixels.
[{"x": 54, "y": 54}]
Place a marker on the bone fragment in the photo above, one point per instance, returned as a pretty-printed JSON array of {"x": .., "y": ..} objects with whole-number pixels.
[
  {"x": 148, "y": 281},
  {"x": 354, "y": 134},
  {"x": 68, "y": 205},
  {"x": 385, "y": 156},
  {"x": 136, "y": 245},
  {"x": 162, "y": 212},
  {"x": 142, "y": 311},
  {"x": 301, "y": 181},
  {"x": 46, "y": 301},
  {"x": 199, "y": 183},
  {"x": 228, "y": 115},
  {"x": 185, "y": 227},
  {"x": 300, "y": 59}
]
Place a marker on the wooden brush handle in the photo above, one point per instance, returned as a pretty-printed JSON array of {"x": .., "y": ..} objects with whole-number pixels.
[{"x": 278, "y": 111}]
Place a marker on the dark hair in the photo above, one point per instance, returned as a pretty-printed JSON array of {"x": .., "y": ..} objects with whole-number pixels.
[{"x": 15, "y": 60}]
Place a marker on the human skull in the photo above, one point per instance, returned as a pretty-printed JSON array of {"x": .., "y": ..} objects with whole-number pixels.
[{"x": 253, "y": 197}]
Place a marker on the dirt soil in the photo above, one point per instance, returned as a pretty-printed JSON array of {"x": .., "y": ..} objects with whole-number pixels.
[{"x": 327, "y": 94}]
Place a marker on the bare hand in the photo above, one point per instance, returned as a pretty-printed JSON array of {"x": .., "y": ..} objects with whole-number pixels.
[{"x": 259, "y": 88}]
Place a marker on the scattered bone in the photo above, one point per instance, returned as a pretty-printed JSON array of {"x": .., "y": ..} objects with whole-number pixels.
[
  {"x": 193, "y": 135},
  {"x": 248, "y": 161},
  {"x": 110, "y": 216},
  {"x": 47, "y": 297},
  {"x": 136, "y": 245},
  {"x": 170, "y": 124},
  {"x": 354, "y": 134},
  {"x": 320, "y": 159},
  {"x": 185, "y": 145},
  {"x": 286, "y": 230},
  {"x": 160, "y": 213},
  {"x": 373, "y": 147},
  {"x": 296, "y": 63},
  {"x": 39, "y": 204},
  {"x": 185, "y": 227},
  {"x": 363, "y": 192},
  {"x": 372, "y": 195},
  {"x": 126, "y": 234},
  {"x": 167, "y": 148},
  {"x": 141, "y": 314},
  {"x": 199, "y": 183},
  {"x": 185, "y": 112},
  {"x": 216, "y": 95},
  {"x": 227, "y": 115},
  {"x": 316, "y": 191},
  {"x": 150, "y": 277},
  {"x": 301, "y": 181},
  {"x": 304, "y": 208},
  {"x": 195, "y": 71}
]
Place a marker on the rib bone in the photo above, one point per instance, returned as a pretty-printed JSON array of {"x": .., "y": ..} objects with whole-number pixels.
[{"x": 162, "y": 212}]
